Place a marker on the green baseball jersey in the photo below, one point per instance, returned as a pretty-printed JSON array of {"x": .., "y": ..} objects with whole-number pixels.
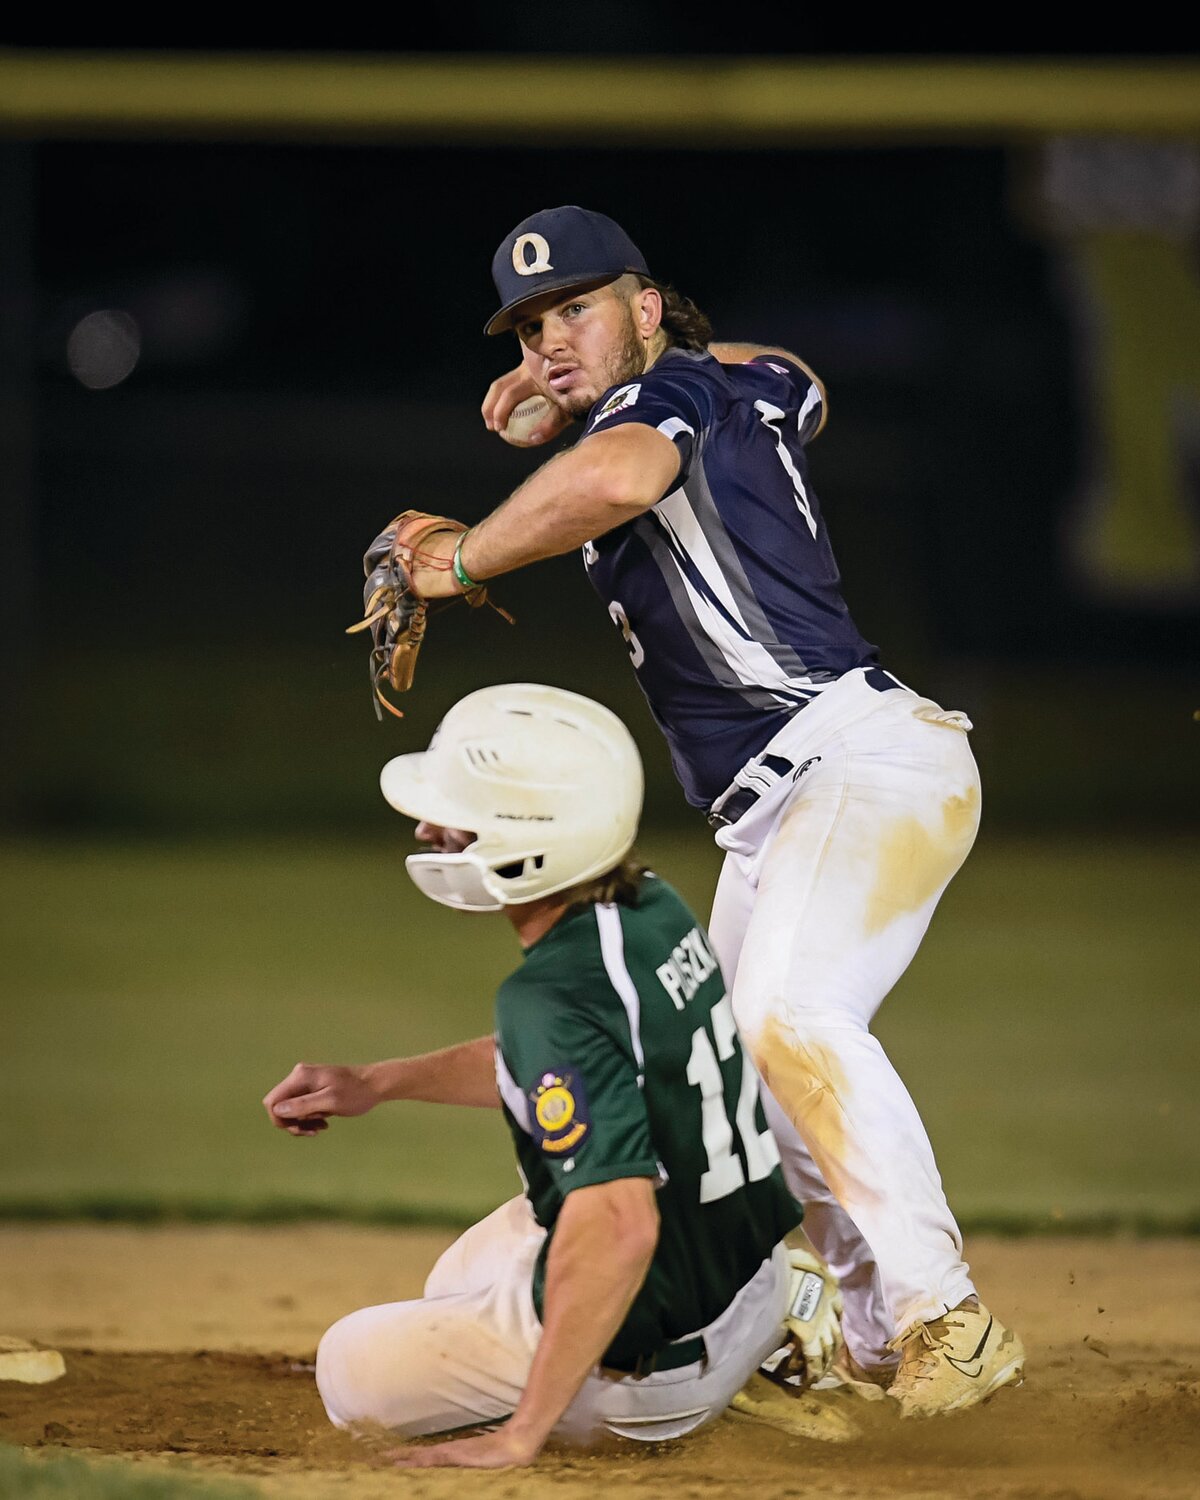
[{"x": 617, "y": 1056}]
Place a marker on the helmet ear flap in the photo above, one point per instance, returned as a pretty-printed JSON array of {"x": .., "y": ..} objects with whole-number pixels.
[{"x": 456, "y": 880}]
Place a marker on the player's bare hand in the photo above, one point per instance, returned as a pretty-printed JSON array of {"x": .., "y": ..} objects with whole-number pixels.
[
  {"x": 302, "y": 1102},
  {"x": 504, "y": 396},
  {"x": 491, "y": 1450}
]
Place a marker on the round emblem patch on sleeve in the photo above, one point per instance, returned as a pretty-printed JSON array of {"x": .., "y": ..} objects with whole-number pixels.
[{"x": 559, "y": 1120}]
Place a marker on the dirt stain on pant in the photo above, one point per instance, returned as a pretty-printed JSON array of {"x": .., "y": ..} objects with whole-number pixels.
[
  {"x": 808, "y": 1081},
  {"x": 916, "y": 860}
]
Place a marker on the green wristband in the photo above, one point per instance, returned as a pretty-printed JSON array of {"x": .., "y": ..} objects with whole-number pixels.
[{"x": 459, "y": 571}]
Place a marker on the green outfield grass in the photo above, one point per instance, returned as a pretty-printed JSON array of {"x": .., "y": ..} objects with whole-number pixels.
[
  {"x": 1049, "y": 1028},
  {"x": 63, "y": 1476}
]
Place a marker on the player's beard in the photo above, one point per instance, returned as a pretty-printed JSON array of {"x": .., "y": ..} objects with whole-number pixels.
[{"x": 625, "y": 359}]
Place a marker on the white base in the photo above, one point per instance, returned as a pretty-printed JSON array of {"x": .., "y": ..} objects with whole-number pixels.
[{"x": 21, "y": 1361}]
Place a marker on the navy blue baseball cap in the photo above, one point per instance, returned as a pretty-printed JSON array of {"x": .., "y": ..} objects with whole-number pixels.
[{"x": 556, "y": 249}]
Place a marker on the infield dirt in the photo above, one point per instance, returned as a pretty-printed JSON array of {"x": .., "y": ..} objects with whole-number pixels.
[{"x": 193, "y": 1346}]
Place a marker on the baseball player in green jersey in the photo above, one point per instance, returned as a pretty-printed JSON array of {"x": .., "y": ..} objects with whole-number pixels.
[{"x": 642, "y": 1278}]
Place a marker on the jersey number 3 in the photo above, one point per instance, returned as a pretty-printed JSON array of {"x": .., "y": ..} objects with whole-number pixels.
[
  {"x": 616, "y": 613},
  {"x": 725, "y": 1173}
]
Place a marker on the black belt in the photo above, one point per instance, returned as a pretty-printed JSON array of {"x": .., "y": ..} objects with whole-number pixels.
[
  {"x": 669, "y": 1357},
  {"x": 768, "y": 769}
]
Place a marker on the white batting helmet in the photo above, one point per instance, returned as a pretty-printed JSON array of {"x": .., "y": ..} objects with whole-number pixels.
[{"x": 549, "y": 783}]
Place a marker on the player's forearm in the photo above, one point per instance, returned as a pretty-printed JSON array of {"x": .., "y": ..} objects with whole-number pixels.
[
  {"x": 602, "y": 1248},
  {"x": 464, "y": 1074},
  {"x": 566, "y": 503},
  {"x": 607, "y": 479}
]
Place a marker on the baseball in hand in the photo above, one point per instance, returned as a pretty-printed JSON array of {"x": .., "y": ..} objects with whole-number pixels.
[{"x": 525, "y": 417}]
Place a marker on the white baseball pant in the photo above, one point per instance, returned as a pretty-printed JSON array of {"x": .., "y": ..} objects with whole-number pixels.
[
  {"x": 829, "y": 883},
  {"x": 460, "y": 1356}
]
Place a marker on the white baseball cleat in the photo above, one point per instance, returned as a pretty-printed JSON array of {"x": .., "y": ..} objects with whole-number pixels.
[
  {"x": 802, "y": 1414},
  {"x": 953, "y": 1361}
]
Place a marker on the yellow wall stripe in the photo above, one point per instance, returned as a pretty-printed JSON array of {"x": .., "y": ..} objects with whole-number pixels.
[{"x": 696, "y": 101}]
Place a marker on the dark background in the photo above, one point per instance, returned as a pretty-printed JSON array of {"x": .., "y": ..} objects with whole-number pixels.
[
  {"x": 200, "y": 881},
  {"x": 183, "y": 548}
]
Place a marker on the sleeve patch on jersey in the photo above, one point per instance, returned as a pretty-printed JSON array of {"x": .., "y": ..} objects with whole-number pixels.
[
  {"x": 623, "y": 396},
  {"x": 560, "y": 1119}
]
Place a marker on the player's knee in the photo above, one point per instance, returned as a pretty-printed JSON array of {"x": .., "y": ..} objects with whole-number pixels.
[
  {"x": 762, "y": 1026},
  {"x": 363, "y": 1374},
  {"x": 337, "y": 1372},
  {"x": 779, "y": 1044},
  {"x": 387, "y": 1367},
  {"x": 812, "y": 1010}
]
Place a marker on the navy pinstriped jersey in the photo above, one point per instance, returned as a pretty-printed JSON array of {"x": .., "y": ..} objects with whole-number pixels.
[{"x": 726, "y": 590}]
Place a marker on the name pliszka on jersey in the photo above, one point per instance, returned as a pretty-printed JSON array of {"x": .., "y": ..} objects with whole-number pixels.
[{"x": 690, "y": 964}]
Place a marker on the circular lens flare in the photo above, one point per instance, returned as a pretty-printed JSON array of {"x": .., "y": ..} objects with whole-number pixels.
[{"x": 103, "y": 348}]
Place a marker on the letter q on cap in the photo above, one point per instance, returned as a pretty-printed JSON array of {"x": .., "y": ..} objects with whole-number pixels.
[{"x": 541, "y": 255}]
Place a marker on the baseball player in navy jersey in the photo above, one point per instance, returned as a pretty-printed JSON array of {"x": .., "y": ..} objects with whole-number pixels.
[
  {"x": 641, "y": 1279},
  {"x": 844, "y": 801}
]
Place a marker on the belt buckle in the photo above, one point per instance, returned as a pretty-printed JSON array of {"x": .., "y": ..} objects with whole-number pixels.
[
  {"x": 644, "y": 1364},
  {"x": 742, "y": 795}
]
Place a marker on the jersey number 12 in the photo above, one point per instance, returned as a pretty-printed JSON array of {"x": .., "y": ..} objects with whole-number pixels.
[{"x": 725, "y": 1173}]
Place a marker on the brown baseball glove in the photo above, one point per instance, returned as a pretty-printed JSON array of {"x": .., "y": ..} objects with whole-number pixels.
[{"x": 393, "y": 610}]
